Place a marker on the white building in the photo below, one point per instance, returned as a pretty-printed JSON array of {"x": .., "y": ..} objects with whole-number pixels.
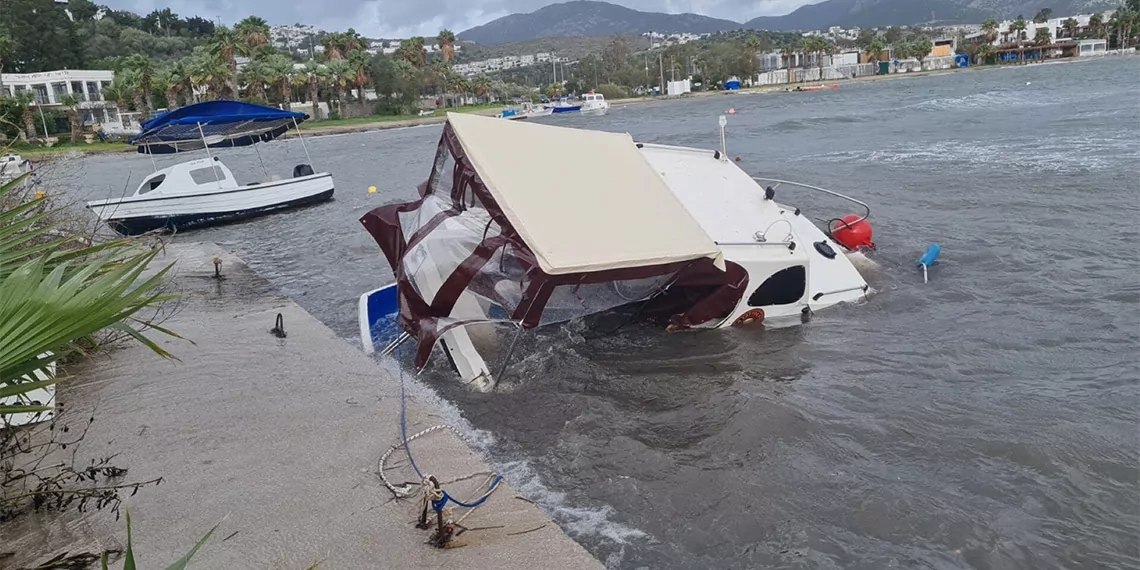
[
  {"x": 50, "y": 87},
  {"x": 1092, "y": 47},
  {"x": 1056, "y": 27}
]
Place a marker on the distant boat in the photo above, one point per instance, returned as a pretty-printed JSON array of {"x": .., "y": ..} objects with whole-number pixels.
[
  {"x": 204, "y": 191},
  {"x": 565, "y": 106},
  {"x": 594, "y": 104},
  {"x": 732, "y": 84}
]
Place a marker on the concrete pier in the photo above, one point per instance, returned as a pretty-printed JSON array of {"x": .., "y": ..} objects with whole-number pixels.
[{"x": 276, "y": 440}]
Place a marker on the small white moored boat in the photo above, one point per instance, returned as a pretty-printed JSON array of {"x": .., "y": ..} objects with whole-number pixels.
[{"x": 204, "y": 191}]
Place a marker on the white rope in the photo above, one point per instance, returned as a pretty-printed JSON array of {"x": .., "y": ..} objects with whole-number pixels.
[{"x": 405, "y": 492}]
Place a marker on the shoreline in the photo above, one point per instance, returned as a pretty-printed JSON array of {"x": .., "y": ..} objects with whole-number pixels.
[
  {"x": 278, "y": 440},
  {"x": 380, "y": 123}
]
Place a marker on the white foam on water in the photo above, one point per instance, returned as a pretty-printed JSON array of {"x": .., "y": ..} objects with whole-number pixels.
[
  {"x": 1071, "y": 153},
  {"x": 576, "y": 521},
  {"x": 520, "y": 475},
  {"x": 990, "y": 100}
]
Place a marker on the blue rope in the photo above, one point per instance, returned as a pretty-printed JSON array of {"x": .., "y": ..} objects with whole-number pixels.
[
  {"x": 404, "y": 412},
  {"x": 438, "y": 505}
]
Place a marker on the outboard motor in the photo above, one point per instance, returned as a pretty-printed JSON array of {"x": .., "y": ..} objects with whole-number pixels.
[{"x": 302, "y": 170}]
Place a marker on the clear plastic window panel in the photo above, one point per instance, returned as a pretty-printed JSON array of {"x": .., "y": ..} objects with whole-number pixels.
[
  {"x": 430, "y": 262},
  {"x": 569, "y": 302},
  {"x": 438, "y": 197},
  {"x": 501, "y": 284}
]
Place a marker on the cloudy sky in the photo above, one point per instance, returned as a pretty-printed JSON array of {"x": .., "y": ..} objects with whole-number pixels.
[{"x": 405, "y": 18}]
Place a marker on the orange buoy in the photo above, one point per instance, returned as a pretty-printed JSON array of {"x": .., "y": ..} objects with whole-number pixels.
[
  {"x": 852, "y": 232},
  {"x": 732, "y": 111}
]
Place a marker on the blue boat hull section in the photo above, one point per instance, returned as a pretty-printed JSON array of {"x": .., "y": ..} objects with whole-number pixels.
[
  {"x": 378, "y": 318},
  {"x": 135, "y": 226},
  {"x": 568, "y": 109}
]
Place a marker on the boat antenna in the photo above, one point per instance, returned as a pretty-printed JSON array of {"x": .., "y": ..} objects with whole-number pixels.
[
  {"x": 211, "y": 157},
  {"x": 151, "y": 154},
  {"x": 722, "y": 121},
  {"x": 308, "y": 158}
]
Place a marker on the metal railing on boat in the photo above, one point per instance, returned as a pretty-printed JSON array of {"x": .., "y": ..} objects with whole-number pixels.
[{"x": 866, "y": 209}]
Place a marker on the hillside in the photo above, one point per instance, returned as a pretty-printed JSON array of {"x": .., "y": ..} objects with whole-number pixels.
[
  {"x": 600, "y": 19},
  {"x": 589, "y": 18}
]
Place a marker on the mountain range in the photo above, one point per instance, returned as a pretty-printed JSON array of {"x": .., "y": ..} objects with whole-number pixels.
[{"x": 592, "y": 18}]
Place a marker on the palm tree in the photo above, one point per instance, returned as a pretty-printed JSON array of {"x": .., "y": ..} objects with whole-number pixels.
[
  {"x": 1042, "y": 37},
  {"x": 210, "y": 72},
  {"x": 1070, "y": 26},
  {"x": 131, "y": 83},
  {"x": 71, "y": 102},
  {"x": 340, "y": 72},
  {"x": 7, "y": 48},
  {"x": 253, "y": 32},
  {"x": 279, "y": 68},
  {"x": 176, "y": 80},
  {"x": 481, "y": 86},
  {"x": 142, "y": 67},
  {"x": 1018, "y": 27},
  {"x": 225, "y": 45},
  {"x": 412, "y": 51},
  {"x": 446, "y": 41},
  {"x": 314, "y": 74},
  {"x": 920, "y": 48},
  {"x": 119, "y": 91},
  {"x": 1096, "y": 22},
  {"x": 990, "y": 27},
  {"x": 875, "y": 50},
  {"x": 359, "y": 61},
  {"x": 334, "y": 46},
  {"x": 985, "y": 51},
  {"x": 254, "y": 76},
  {"x": 351, "y": 41},
  {"x": 25, "y": 100}
]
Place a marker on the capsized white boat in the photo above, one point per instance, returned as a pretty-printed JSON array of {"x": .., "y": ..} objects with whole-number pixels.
[
  {"x": 507, "y": 232},
  {"x": 204, "y": 191}
]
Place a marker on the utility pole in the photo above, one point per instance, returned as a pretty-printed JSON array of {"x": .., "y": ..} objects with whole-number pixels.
[
  {"x": 673, "y": 67},
  {"x": 661, "y": 67}
]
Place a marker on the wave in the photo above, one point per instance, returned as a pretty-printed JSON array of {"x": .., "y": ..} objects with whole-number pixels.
[
  {"x": 991, "y": 100},
  {"x": 578, "y": 521},
  {"x": 1063, "y": 154},
  {"x": 811, "y": 122}
]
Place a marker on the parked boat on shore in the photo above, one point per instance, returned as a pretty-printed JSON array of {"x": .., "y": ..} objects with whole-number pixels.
[
  {"x": 204, "y": 191},
  {"x": 683, "y": 232}
]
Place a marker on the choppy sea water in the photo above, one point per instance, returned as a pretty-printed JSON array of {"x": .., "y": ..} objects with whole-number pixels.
[{"x": 987, "y": 419}]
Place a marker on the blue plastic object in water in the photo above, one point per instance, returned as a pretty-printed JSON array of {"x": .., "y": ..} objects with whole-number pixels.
[
  {"x": 928, "y": 258},
  {"x": 931, "y": 254}
]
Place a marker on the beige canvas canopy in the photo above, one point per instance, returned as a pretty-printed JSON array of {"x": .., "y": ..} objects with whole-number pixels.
[{"x": 582, "y": 201}]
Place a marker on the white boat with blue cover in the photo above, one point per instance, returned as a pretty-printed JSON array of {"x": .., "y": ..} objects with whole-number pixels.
[{"x": 204, "y": 191}]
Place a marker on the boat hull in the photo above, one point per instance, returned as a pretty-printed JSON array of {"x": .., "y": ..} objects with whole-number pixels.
[
  {"x": 132, "y": 217},
  {"x": 595, "y": 111},
  {"x": 570, "y": 109}
]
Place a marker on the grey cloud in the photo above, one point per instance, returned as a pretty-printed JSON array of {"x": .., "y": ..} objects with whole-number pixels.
[{"x": 404, "y": 18}]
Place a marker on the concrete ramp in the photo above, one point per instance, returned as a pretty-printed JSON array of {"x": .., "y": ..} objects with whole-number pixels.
[{"x": 276, "y": 439}]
